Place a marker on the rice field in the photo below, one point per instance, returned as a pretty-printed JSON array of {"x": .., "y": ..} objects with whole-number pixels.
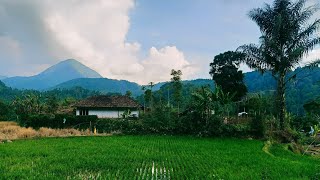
[{"x": 151, "y": 157}]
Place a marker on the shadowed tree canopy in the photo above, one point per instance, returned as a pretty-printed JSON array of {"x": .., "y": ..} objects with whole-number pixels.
[{"x": 226, "y": 74}]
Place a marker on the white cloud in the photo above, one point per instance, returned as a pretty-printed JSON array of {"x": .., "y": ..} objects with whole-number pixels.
[
  {"x": 312, "y": 56},
  {"x": 10, "y": 47},
  {"x": 159, "y": 63},
  {"x": 93, "y": 32}
]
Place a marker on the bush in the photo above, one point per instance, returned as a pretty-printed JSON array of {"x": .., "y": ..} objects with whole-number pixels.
[
  {"x": 215, "y": 125},
  {"x": 58, "y": 121},
  {"x": 286, "y": 136},
  {"x": 7, "y": 112},
  {"x": 304, "y": 123},
  {"x": 162, "y": 121},
  {"x": 125, "y": 126},
  {"x": 258, "y": 126},
  {"x": 236, "y": 130}
]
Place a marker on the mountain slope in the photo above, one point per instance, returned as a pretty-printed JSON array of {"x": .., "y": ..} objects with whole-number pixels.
[
  {"x": 61, "y": 72},
  {"x": 103, "y": 85},
  {"x": 2, "y": 77}
]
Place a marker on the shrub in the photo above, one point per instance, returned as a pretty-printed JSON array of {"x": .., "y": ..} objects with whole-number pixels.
[
  {"x": 215, "y": 125},
  {"x": 125, "y": 126},
  {"x": 258, "y": 126},
  {"x": 236, "y": 130},
  {"x": 304, "y": 123},
  {"x": 286, "y": 136},
  {"x": 58, "y": 121},
  {"x": 162, "y": 121}
]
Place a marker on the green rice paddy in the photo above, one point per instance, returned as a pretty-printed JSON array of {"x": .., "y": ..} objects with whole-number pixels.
[{"x": 151, "y": 157}]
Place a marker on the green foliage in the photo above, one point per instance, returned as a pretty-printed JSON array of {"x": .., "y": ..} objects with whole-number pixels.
[
  {"x": 103, "y": 85},
  {"x": 4, "y": 109},
  {"x": 122, "y": 126},
  {"x": 148, "y": 96},
  {"x": 236, "y": 130},
  {"x": 6, "y": 112},
  {"x": 151, "y": 157},
  {"x": 312, "y": 107},
  {"x": 28, "y": 104},
  {"x": 177, "y": 86},
  {"x": 162, "y": 120},
  {"x": 288, "y": 34},
  {"x": 258, "y": 126},
  {"x": 58, "y": 121},
  {"x": 9, "y": 95},
  {"x": 128, "y": 93},
  {"x": 226, "y": 74},
  {"x": 259, "y": 104},
  {"x": 304, "y": 123},
  {"x": 52, "y": 104}
]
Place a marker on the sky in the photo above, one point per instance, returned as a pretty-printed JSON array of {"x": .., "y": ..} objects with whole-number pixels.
[{"x": 135, "y": 40}]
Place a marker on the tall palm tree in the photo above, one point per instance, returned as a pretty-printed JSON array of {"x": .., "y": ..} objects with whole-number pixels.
[{"x": 287, "y": 37}]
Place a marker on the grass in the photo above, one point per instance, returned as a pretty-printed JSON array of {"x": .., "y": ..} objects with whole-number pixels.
[
  {"x": 147, "y": 157},
  {"x": 11, "y": 130}
]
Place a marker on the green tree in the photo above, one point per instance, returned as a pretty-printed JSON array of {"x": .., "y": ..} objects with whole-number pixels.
[
  {"x": 148, "y": 96},
  {"x": 226, "y": 74},
  {"x": 287, "y": 36},
  {"x": 202, "y": 102},
  {"x": 177, "y": 86},
  {"x": 28, "y": 104},
  {"x": 207, "y": 102},
  {"x": 151, "y": 85},
  {"x": 223, "y": 101},
  {"x": 128, "y": 93},
  {"x": 4, "y": 109},
  {"x": 52, "y": 104}
]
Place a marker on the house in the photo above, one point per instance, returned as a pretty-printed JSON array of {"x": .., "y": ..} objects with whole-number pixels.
[{"x": 107, "y": 106}]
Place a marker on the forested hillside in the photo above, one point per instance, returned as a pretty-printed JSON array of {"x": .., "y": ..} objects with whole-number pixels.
[
  {"x": 304, "y": 88},
  {"x": 102, "y": 85}
]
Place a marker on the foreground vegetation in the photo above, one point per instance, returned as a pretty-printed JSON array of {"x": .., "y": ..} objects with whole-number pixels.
[
  {"x": 144, "y": 157},
  {"x": 11, "y": 131}
]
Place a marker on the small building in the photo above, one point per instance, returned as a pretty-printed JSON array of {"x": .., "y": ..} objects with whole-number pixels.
[{"x": 108, "y": 106}]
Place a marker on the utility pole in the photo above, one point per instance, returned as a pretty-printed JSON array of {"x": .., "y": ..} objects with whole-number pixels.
[{"x": 168, "y": 98}]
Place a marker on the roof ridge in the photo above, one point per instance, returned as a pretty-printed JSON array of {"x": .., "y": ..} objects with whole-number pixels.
[{"x": 105, "y": 101}]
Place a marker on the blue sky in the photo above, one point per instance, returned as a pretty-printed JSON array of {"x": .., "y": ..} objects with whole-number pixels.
[
  {"x": 201, "y": 29},
  {"x": 203, "y": 26},
  {"x": 136, "y": 40}
]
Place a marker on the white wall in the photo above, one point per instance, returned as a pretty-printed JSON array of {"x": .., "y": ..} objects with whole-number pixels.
[
  {"x": 77, "y": 112},
  {"x": 108, "y": 113},
  {"x": 135, "y": 112},
  {"x": 105, "y": 113}
]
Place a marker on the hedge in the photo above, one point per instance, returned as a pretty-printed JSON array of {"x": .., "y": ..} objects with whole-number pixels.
[{"x": 58, "y": 121}]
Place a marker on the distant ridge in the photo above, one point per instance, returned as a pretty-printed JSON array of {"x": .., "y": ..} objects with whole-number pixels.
[
  {"x": 64, "y": 71},
  {"x": 2, "y": 77},
  {"x": 103, "y": 85}
]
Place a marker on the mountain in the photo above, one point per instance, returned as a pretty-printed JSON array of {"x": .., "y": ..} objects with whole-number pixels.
[
  {"x": 195, "y": 82},
  {"x": 59, "y": 73},
  {"x": 2, "y": 77},
  {"x": 103, "y": 85}
]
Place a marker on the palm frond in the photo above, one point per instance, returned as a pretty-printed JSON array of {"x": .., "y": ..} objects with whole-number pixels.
[{"x": 254, "y": 57}]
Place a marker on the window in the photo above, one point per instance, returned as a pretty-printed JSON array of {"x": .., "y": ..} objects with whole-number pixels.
[{"x": 84, "y": 112}]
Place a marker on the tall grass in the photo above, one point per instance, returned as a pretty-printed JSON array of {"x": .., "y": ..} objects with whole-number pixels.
[{"x": 12, "y": 131}]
